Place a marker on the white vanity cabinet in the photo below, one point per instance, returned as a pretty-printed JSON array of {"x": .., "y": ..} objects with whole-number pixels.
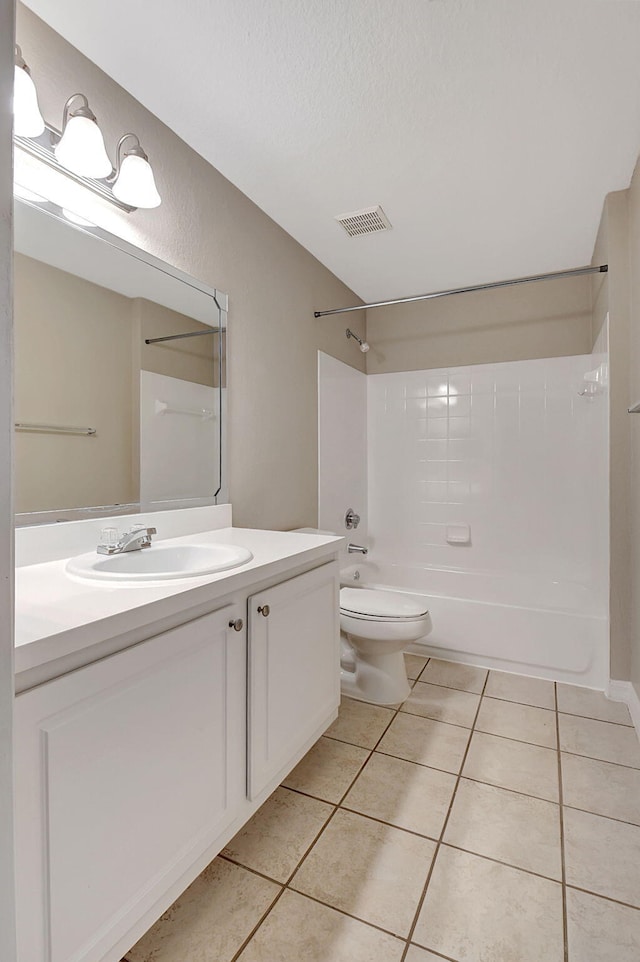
[
  {"x": 127, "y": 770},
  {"x": 133, "y": 772},
  {"x": 294, "y": 682}
]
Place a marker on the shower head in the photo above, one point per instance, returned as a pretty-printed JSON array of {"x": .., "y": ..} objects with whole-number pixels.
[{"x": 364, "y": 347}]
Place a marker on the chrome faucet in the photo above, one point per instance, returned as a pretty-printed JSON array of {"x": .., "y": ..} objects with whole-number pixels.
[
  {"x": 357, "y": 549},
  {"x": 139, "y": 537}
]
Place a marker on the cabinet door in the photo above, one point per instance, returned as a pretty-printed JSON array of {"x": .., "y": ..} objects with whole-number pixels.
[
  {"x": 127, "y": 771},
  {"x": 294, "y": 672}
]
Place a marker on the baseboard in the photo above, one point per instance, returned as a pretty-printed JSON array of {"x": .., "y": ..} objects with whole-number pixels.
[{"x": 624, "y": 691}]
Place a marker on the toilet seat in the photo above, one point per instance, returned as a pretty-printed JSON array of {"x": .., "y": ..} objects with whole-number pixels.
[{"x": 367, "y": 604}]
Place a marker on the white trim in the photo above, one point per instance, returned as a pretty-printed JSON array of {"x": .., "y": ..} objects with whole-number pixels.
[
  {"x": 7, "y": 880},
  {"x": 624, "y": 691}
]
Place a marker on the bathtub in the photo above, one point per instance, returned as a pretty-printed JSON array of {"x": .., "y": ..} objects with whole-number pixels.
[{"x": 531, "y": 626}]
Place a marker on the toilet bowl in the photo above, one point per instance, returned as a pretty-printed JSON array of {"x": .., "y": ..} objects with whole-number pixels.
[{"x": 378, "y": 625}]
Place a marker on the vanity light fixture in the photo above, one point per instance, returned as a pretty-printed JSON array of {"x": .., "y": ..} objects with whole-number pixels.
[
  {"x": 78, "y": 150},
  {"x": 133, "y": 180},
  {"x": 81, "y": 146},
  {"x": 27, "y": 119}
]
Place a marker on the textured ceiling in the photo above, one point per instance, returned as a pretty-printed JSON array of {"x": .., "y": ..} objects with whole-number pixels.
[{"x": 489, "y": 130}]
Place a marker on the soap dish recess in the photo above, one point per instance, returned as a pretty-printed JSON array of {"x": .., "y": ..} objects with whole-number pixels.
[{"x": 458, "y": 534}]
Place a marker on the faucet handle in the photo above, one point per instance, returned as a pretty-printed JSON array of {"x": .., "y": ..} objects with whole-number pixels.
[
  {"x": 351, "y": 519},
  {"x": 109, "y": 536},
  {"x": 142, "y": 526}
]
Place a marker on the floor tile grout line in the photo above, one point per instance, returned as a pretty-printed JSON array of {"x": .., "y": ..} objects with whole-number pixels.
[
  {"x": 411, "y": 761},
  {"x": 482, "y": 731},
  {"x": 435, "y": 684},
  {"x": 521, "y": 741},
  {"x": 515, "y": 701},
  {"x": 285, "y": 885},
  {"x": 351, "y": 782},
  {"x": 438, "y": 955},
  {"x": 499, "y": 861},
  {"x": 406, "y": 831},
  {"x": 289, "y": 887},
  {"x": 337, "y": 805},
  {"x": 632, "y": 768},
  {"x": 258, "y": 925},
  {"x": 439, "y": 843},
  {"x": 356, "y": 918},
  {"x": 604, "y": 721},
  {"x": 607, "y": 898},
  {"x": 611, "y": 818},
  {"x": 443, "y": 771},
  {"x": 565, "y": 924}
]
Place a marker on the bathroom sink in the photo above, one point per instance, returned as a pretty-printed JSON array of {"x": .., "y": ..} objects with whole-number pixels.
[{"x": 158, "y": 563}]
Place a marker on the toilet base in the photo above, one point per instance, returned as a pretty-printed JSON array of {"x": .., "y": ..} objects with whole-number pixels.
[{"x": 377, "y": 679}]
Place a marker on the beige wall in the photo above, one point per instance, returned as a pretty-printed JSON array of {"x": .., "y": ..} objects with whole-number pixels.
[
  {"x": 610, "y": 294},
  {"x": 7, "y": 882},
  {"x": 190, "y": 359},
  {"x": 208, "y": 228},
  {"x": 548, "y": 319},
  {"x": 73, "y": 365}
]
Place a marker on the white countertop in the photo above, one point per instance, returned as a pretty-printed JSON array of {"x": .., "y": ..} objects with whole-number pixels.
[{"x": 57, "y": 616}]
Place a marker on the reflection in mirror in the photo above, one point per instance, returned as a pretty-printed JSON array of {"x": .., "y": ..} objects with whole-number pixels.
[{"x": 105, "y": 419}]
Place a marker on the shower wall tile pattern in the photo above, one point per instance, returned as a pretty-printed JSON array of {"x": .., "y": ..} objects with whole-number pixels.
[{"x": 510, "y": 449}]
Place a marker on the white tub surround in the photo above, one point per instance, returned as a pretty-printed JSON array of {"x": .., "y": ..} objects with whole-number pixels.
[
  {"x": 342, "y": 447},
  {"x": 160, "y": 717},
  {"x": 488, "y": 498}
]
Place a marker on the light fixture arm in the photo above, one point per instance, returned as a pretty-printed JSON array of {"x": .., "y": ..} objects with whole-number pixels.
[
  {"x": 84, "y": 111},
  {"x": 20, "y": 61},
  {"x": 136, "y": 150}
]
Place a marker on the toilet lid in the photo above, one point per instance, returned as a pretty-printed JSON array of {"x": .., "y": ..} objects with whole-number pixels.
[{"x": 380, "y": 604}]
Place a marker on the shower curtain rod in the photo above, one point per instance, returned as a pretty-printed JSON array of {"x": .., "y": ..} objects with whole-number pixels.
[
  {"x": 575, "y": 272},
  {"x": 179, "y": 337}
]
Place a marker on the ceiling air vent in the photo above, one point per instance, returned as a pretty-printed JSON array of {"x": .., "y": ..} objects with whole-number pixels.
[{"x": 367, "y": 221}]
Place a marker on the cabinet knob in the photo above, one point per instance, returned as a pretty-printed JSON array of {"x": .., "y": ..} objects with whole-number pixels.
[
  {"x": 264, "y": 611},
  {"x": 237, "y": 625}
]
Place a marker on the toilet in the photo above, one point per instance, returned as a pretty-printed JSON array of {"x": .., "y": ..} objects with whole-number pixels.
[{"x": 378, "y": 625}]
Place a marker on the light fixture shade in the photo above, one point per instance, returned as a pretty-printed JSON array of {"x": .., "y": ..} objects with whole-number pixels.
[
  {"x": 135, "y": 184},
  {"x": 27, "y": 119},
  {"x": 81, "y": 148}
]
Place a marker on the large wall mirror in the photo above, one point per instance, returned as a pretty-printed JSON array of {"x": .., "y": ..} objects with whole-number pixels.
[{"x": 120, "y": 375}]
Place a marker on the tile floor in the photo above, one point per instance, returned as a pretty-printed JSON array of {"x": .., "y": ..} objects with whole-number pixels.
[{"x": 491, "y": 818}]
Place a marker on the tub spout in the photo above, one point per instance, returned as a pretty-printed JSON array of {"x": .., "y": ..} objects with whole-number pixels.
[{"x": 357, "y": 549}]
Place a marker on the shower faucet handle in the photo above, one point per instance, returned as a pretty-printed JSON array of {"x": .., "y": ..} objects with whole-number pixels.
[{"x": 351, "y": 519}]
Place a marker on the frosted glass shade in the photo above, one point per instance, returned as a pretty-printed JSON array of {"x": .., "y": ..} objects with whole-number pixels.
[
  {"x": 136, "y": 185},
  {"x": 81, "y": 149},
  {"x": 27, "y": 119}
]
